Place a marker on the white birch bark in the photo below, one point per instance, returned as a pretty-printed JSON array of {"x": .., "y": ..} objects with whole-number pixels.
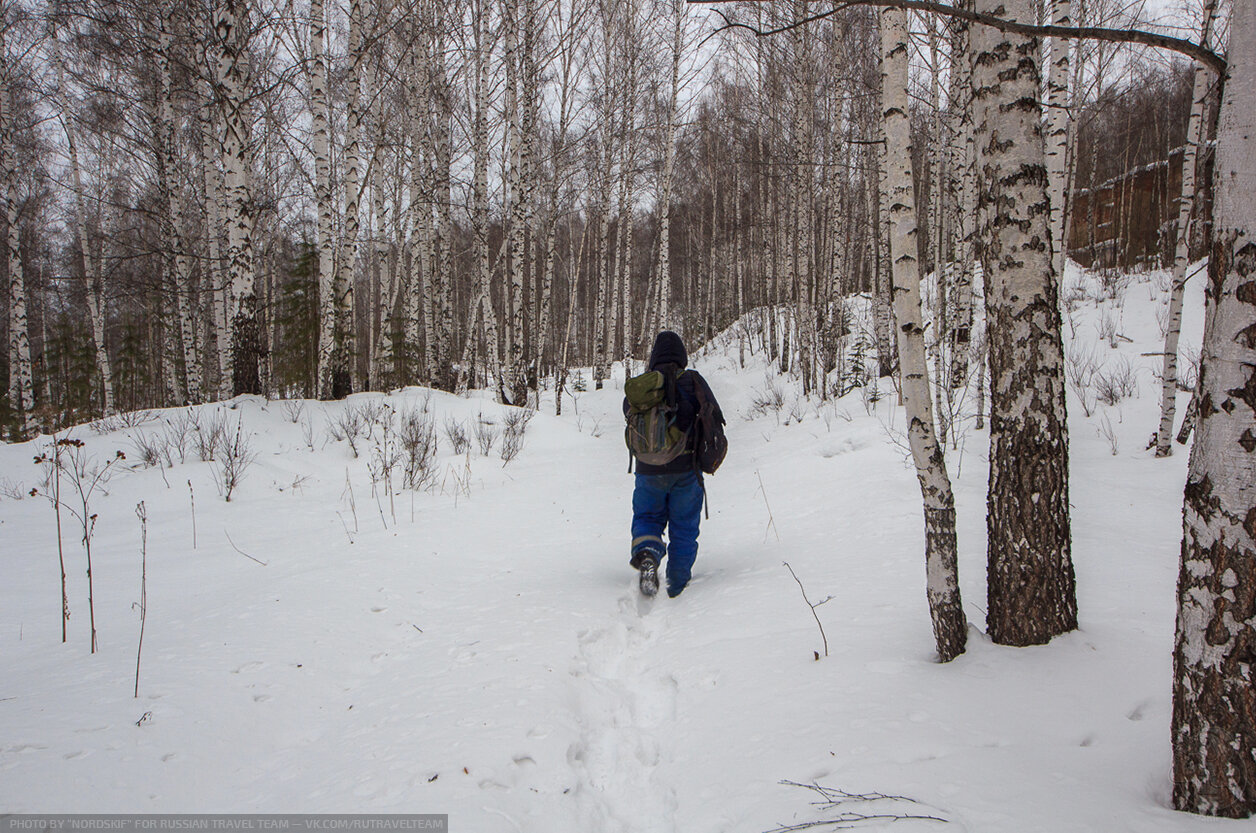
[
  {"x": 344, "y": 366},
  {"x": 516, "y": 267},
  {"x": 1031, "y": 584},
  {"x": 418, "y": 302},
  {"x": 1214, "y": 700},
  {"x": 1181, "y": 253},
  {"x": 93, "y": 274},
  {"x": 324, "y": 203},
  {"x": 569, "y": 28},
  {"x": 480, "y": 162},
  {"x": 627, "y": 180},
  {"x": 441, "y": 368},
  {"x": 383, "y": 360},
  {"x": 21, "y": 378},
  {"x": 941, "y": 567},
  {"x": 217, "y": 281},
  {"x": 179, "y": 259},
  {"x": 231, "y": 23},
  {"x": 963, "y": 184},
  {"x": 1059, "y": 124},
  {"x": 678, "y": 10}
]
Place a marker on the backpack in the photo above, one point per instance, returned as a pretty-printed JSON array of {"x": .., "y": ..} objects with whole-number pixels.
[
  {"x": 651, "y": 433},
  {"x": 711, "y": 445}
]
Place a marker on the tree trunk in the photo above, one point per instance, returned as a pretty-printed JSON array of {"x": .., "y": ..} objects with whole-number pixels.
[
  {"x": 344, "y": 365},
  {"x": 324, "y": 204},
  {"x": 963, "y": 181},
  {"x": 21, "y": 380},
  {"x": 1058, "y": 125},
  {"x": 1030, "y": 578},
  {"x": 93, "y": 274},
  {"x": 949, "y": 626},
  {"x": 231, "y": 23},
  {"x": 480, "y": 162},
  {"x": 442, "y": 301},
  {"x": 178, "y": 260},
  {"x": 219, "y": 286},
  {"x": 1214, "y": 700},
  {"x": 1181, "y": 253}
]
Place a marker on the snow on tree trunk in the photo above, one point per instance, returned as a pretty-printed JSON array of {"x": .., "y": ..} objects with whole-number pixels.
[
  {"x": 231, "y": 24},
  {"x": 1181, "y": 253},
  {"x": 1214, "y": 694},
  {"x": 1058, "y": 121},
  {"x": 1030, "y": 580},
  {"x": 950, "y": 629}
]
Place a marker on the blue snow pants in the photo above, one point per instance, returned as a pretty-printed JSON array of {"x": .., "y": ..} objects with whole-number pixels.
[{"x": 673, "y": 501}]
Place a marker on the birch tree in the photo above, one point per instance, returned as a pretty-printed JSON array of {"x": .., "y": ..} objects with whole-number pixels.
[
  {"x": 89, "y": 264},
  {"x": 963, "y": 186},
  {"x": 663, "y": 205},
  {"x": 1181, "y": 253},
  {"x": 343, "y": 363},
  {"x": 1214, "y": 700},
  {"x": 1058, "y": 125},
  {"x": 178, "y": 258},
  {"x": 232, "y": 33},
  {"x": 324, "y": 205},
  {"x": 21, "y": 379},
  {"x": 441, "y": 364},
  {"x": 950, "y": 629},
  {"x": 1030, "y": 579},
  {"x": 218, "y": 280}
]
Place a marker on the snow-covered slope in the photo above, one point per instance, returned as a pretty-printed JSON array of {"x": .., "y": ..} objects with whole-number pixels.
[{"x": 478, "y": 648}]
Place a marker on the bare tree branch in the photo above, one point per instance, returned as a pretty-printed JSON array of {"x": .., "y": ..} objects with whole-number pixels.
[{"x": 1179, "y": 45}]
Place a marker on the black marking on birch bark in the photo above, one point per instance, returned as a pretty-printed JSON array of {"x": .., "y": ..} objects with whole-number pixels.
[
  {"x": 1219, "y": 265},
  {"x": 1206, "y": 408},
  {"x": 1246, "y": 292},
  {"x": 1248, "y": 441},
  {"x": 1247, "y": 393},
  {"x": 1217, "y": 634},
  {"x": 1245, "y": 258},
  {"x": 1249, "y": 523},
  {"x": 1200, "y": 498}
]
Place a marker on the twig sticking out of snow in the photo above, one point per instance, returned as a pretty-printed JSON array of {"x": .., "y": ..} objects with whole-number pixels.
[
  {"x": 242, "y": 552},
  {"x": 840, "y": 800},
  {"x": 812, "y": 606}
]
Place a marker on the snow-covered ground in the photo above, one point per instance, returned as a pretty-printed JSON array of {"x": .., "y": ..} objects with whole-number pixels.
[{"x": 478, "y": 648}]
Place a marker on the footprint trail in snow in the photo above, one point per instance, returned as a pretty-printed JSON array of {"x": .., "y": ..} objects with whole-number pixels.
[{"x": 626, "y": 710}]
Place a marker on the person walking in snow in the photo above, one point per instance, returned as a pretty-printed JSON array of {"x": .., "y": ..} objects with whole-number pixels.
[{"x": 663, "y": 407}]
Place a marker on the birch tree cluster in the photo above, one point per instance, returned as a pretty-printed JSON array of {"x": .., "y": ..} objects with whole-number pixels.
[{"x": 311, "y": 199}]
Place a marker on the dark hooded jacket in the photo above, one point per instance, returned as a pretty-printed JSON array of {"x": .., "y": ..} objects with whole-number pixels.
[{"x": 670, "y": 357}]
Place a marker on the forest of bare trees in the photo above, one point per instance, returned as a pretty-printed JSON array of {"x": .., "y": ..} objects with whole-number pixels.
[
  {"x": 232, "y": 197},
  {"x": 213, "y": 199}
]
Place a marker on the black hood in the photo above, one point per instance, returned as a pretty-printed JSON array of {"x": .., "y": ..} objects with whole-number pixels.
[{"x": 668, "y": 349}]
